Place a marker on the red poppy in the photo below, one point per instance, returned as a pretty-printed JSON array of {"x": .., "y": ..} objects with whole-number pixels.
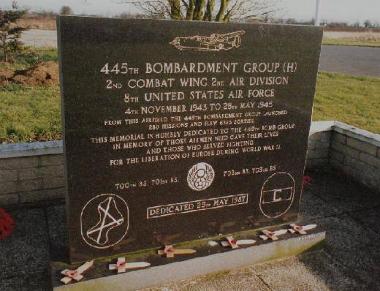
[
  {"x": 306, "y": 180},
  {"x": 7, "y": 224}
]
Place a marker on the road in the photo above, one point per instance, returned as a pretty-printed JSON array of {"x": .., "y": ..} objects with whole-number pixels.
[
  {"x": 40, "y": 38},
  {"x": 351, "y": 60}
]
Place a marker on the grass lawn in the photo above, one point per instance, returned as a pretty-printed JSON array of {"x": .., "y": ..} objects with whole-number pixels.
[
  {"x": 353, "y": 100},
  {"x": 28, "y": 113},
  {"x": 352, "y": 41}
]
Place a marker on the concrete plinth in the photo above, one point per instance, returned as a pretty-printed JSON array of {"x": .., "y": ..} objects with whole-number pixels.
[{"x": 178, "y": 270}]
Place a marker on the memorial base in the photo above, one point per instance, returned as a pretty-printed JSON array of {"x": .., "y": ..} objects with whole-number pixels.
[{"x": 164, "y": 270}]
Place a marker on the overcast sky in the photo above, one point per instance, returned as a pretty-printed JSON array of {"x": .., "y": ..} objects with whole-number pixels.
[{"x": 331, "y": 10}]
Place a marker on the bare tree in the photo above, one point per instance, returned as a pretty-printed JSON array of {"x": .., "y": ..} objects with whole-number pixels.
[
  {"x": 206, "y": 10},
  {"x": 66, "y": 10},
  {"x": 368, "y": 23}
]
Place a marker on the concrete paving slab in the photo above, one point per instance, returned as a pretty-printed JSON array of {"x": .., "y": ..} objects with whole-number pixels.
[
  {"x": 312, "y": 207},
  {"x": 58, "y": 238},
  {"x": 31, "y": 281},
  {"x": 345, "y": 234},
  {"x": 27, "y": 249},
  {"x": 342, "y": 192},
  {"x": 289, "y": 275},
  {"x": 333, "y": 273},
  {"x": 355, "y": 247},
  {"x": 315, "y": 271},
  {"x": 363, "y": 263},
  {"x": 240, "y": 279},
  {"x": 369, "y": 218}
]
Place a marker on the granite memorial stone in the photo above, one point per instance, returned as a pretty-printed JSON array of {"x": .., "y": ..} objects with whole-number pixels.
[{"x": 175, "y": 130}]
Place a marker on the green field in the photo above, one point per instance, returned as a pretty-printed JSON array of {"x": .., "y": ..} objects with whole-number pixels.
[
  {"x": 33, "y": 113},
  {"x": 28, "y": 114},
  {"x": 353, "y": 100}
]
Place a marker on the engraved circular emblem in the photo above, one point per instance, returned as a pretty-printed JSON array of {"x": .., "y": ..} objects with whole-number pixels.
[
  {"x": 277, "y": 194},
  {"x": 104, "y": 221},
  {"x": 200, "y": 176}
]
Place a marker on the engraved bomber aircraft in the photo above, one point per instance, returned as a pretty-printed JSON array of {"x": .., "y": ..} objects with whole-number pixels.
[{"x": 214, "y": 42}]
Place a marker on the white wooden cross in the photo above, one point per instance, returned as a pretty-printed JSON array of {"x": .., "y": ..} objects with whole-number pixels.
[
  {"x": 75, "y": 274},
  {"x": 231, "y": 242},
  {"x": 273, "y": 235},
  {"x": 169, "y": 251},
  {"x": 301, "y": 229},
  {"x": 122, "y": 266}
]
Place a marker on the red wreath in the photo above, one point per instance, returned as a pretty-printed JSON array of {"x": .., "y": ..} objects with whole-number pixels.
[{"x": 7, "y": 224}]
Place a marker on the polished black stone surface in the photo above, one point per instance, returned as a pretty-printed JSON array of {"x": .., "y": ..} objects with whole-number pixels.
[{"x": 151, "y": 160}]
